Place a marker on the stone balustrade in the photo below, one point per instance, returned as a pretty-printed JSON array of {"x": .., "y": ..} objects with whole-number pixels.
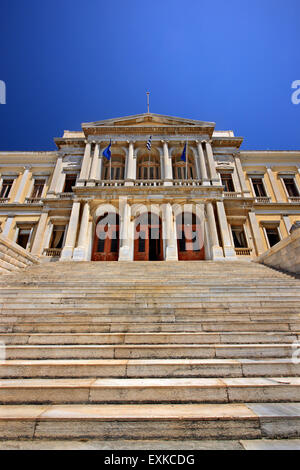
[{"x": 13, "y": 257}]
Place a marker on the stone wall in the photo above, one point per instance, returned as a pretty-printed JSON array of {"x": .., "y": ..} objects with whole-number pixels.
[
  {"x": 285, "y": 254},
  {"x": 13, "y": 257}
]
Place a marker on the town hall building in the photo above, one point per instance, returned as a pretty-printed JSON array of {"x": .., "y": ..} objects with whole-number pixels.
[{"x": 147, "y": 203}]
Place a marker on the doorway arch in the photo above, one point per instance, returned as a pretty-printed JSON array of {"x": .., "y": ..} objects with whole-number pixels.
[
  {"x": 148, "y": 244},
  {"x": 190, "y": 240},
  {"x": 106, "y": 238}
]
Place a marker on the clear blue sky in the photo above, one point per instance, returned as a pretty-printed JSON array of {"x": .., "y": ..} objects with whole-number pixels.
[{"x": 71, "y": 61}]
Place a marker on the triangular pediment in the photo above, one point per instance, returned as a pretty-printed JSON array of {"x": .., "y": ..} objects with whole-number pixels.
[{"x": 148, "y": 120}]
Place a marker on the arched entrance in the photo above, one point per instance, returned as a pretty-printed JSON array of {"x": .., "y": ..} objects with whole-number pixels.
[
  {"x": 106, "y": 238},
  {"x": 189, "y": 237},
  {"x": 148, "y": 244}
]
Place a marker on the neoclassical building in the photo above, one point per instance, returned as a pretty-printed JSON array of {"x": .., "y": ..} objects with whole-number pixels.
[{"x": 222, "y": 203}]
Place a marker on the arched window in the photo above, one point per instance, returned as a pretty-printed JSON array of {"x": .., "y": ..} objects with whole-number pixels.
[
  {"x": 115, "y": 169},
  {"x": 148, "y": 167},
  {"x": 183, "y": 170}
]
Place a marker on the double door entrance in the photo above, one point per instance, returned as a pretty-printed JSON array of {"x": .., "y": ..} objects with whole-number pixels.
[{"x": 148, "y": 244}]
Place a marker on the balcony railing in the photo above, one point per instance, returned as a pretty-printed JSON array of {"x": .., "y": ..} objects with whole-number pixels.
[
  {"x": 105, "y": 183},
  {"x": 148, "y": 183},
  {"x": 33, "y": 200},
  {"x": 294, "y": 199},
  {"x": 52, "y": 252},
  {"x": 189, "y": 182},
  {"x": 263, "y": 199},
  {"x": 231, "y": 194},
  {"x": 243, "y": 251},
  {"x": 66, "y": 195},
  {"x": 4, "y": 200}
]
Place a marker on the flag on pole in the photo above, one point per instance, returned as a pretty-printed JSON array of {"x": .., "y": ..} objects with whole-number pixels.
[
  {"x": 149, "y": 143},
  {"x": 107, "y": 152},
  {"x": 183, "y": 155}
]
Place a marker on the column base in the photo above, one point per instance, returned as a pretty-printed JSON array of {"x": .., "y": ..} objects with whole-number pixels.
[
  {"x": 171, "y": 254},
  {"x": 79, "y": 254},
  {"x": 229, "y": 252},
  {"x": 66, "y": 254},
  {"x": 217, "y": 253},
  {"x": 124, "y": 253},
  {"x": 205, "y": 183}
]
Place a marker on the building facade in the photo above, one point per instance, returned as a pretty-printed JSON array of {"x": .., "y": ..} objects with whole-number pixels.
[{"x": 220, "y": 204}]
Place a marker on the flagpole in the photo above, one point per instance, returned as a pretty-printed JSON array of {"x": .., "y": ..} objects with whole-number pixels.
[
  {"x": 186, "y": 160},
  {"x": 110, "y": 167}
]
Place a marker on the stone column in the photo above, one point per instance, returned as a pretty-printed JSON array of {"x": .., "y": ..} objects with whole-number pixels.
[
  {"x": 94, "y": 169},
  {"x": 80, "y": 252},
  {"x": 67, "y": 250},
  {"x": 37, "y": 245},
  {"x": 276, "y": 191},
  {"x": 239, "y": 169},
  {"x": 56, "y": 176},
  {"x": 125, "y": 251},
  {"x": 85, "y": 165},
  {"x": 216, "y": 249},
  {"x": 212, "y": 165},
  {"x": 229, "y": 251},
  {"x": 168, "y": 173},
  {"x": 7, "y": 226},
  {"x": 287, "y": 223},
  {"x": 19, "y": 195},
  {"x": 203, "y": 170},
  {"x": 256, "y": 233},
  {"x": 171, "y": 253},
  {"x": 236, "y": 181},
  {"x": 131, "y": 165}
]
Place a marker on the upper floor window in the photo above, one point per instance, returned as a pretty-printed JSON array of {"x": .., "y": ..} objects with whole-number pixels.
[
  {"x": 148, "y": 167},
  {"x": 238, "y": 235},
  {"x": 226, "y": 179},
  {"x": 6, "y": 187},
  {"x": 70, "y": 181},
  {"x": 291, "y": 187},
  {"x": 259, "y": 188},
  {"x": 183, "y": 170},
  {"x": 114, "y": 169},
  {"x": 38, "y": 187}
]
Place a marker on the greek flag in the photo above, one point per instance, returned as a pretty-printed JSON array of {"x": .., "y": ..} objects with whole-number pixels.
[
  {"x": 107, "y": 152},
  {"x": 149, "y": 143}
]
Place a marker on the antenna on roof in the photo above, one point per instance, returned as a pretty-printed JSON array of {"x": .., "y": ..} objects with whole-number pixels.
[{"x": 148, "y": 101}]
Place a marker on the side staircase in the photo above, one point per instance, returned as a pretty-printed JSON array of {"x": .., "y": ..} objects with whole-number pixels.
[{"x": 150, "y": 350}]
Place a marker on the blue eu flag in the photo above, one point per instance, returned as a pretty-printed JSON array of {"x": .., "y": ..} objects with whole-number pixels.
[
  {"x": 183, "y": 155},
  {"x": 107, "y": 152}
]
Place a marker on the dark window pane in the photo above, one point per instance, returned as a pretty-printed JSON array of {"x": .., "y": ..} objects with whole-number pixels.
[
  {"x": 142, "y": 245},
  {"x": 100, "y": 247},
  {"x": 114, "y": 242},
  {"x": 273, "y": 236},
  {"x": 182, "y": 242}
]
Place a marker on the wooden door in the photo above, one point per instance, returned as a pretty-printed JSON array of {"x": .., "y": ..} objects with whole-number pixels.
[
  {"x": 148, "y": 240},
  {"x": 106, "y": 239},
  {"x": 189, "y": 240}
]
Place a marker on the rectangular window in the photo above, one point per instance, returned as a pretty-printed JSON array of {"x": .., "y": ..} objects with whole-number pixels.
[
  {"x": 226, "y": 179},
  {"x": 291, "y": 187},
  {"x": 69, "y": 183},
  {"x": 273, "y": 235},
  {"x": 258, "y": 187},
  {"x": 23, "y": 237},
  {"x": 38, "y": 187},
  {"x": 6, "y": 187},
  {"x": 238, "y": 236},
  {"x": 57, "y": 236}
]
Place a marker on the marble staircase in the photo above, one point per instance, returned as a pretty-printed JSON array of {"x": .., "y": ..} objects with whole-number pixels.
[{"x": 150, "y": 350}]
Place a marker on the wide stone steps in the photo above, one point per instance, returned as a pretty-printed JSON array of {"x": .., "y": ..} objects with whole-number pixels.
[
  {"x": 149, "y": 338},
  {"x": 151, "y": 351},
  {"x": 143, "y": 368},
  {"x": 179, "y": 350},
  {"x": 167, "y": 390},
  {"x": 135, "y": 421}
]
